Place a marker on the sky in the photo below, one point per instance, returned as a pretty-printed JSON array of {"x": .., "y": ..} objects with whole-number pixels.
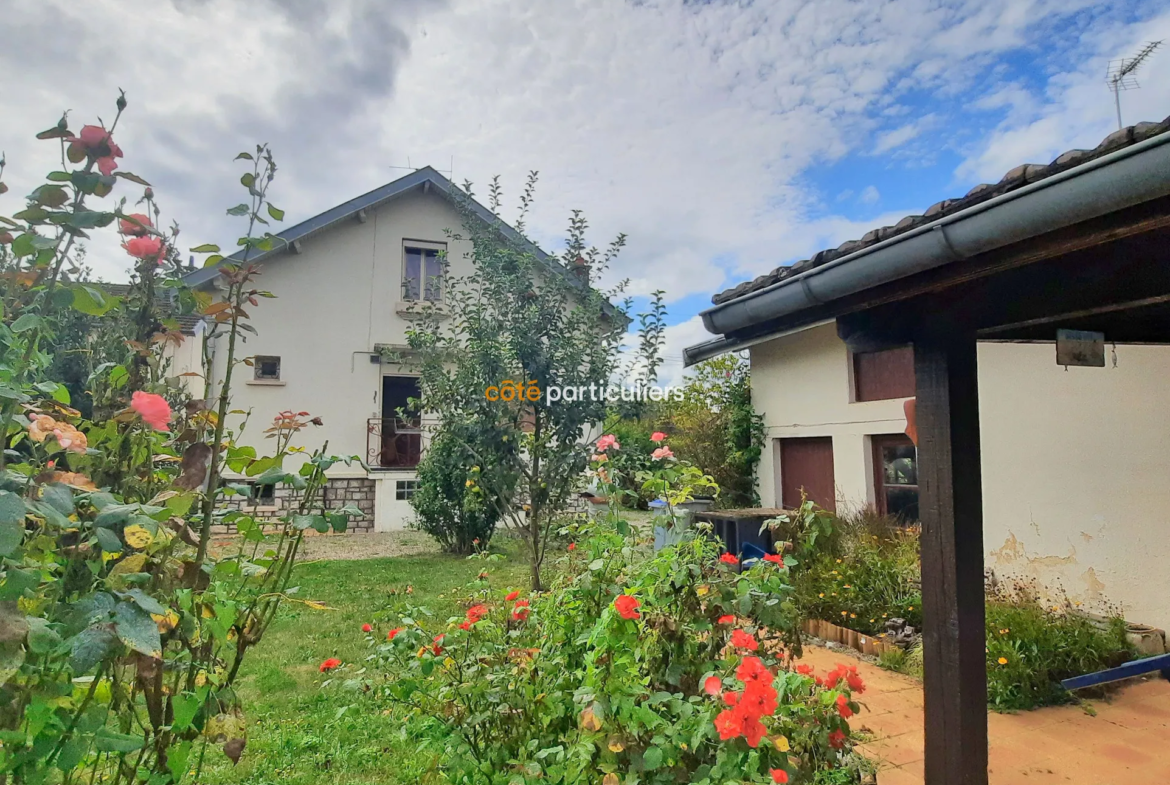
[{"x": 724, "y": 138}]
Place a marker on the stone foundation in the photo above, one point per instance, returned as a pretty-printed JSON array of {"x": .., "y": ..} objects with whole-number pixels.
[{"x": 358, "y": 491}]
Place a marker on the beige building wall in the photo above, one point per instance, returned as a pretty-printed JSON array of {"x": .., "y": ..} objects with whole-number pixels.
[
  {"x": 1076, "y": 464},
  {"x": 335, "y": 301}
]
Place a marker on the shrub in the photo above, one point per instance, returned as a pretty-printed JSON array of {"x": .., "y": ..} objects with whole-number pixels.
[
  {"x": 449, "y": 503},
  {"x": 1032, "y": 646},
  {"x": 863, "y": 573},
  {"x": 665, "y": 669}
]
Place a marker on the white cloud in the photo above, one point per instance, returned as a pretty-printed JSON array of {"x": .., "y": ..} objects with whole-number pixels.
[
  {"x": 870, "y": 195},
  {"x": 687, "y": 126}
]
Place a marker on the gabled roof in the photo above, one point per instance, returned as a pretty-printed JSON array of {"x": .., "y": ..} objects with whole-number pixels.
[
  {"x": 1016, "y": 178},
  {"x": 425, "y": 180}
]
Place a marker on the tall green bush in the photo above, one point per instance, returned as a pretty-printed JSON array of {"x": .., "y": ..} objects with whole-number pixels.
[{"x": 449, "y": 503}]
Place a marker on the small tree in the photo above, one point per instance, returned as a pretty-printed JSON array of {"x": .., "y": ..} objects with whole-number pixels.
[
  {"x": 449, "y": 503},
  {"x": 521, "y": 325}
]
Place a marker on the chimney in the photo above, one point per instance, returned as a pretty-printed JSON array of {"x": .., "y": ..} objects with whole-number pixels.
[
  {"x": 191, "y": 262},
  {"x": 580, "y": 268}
]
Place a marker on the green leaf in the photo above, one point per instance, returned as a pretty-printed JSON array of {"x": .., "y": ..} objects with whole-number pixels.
[
  {"x": 25, "y": 323},
  {"x": 50, "y": 196},
  {"x": 212, "y": 260},
  {"x": 244, "y": 155},
  {"x": 652, "y": 758},
  {"x": 56, "y": 132},
  {"x": 91, "y": 646},
  {"x": 317, "y": 522},
  {"x": 60, "y": 497},
  {"x": 275, "y": 213},
  {"x": 339, "y": 523},
  {"x": 185, "y": 705},
  {"x": 32, "y": 215},
  {"x": 146, "y": 602},
  {"x": 92, "y": 301},
  {"x": 114, "y": 514},
  {"x": 239, "y": 209},
  {"x": 11, "y": 522},
  {"x": 206, "y": 248},
  {"x": 118, "y": 376},
  {"x": 23, "y": 245},
  {"x": 41, "y": 637},
  {"x": 58, "y": 177},
  {"x": 106, "y": 740},
  {"x": 72, "y": 752},
  {"x": 17, "y": 582},
  {"x": 132, "y": 178},
  {"x": 108, "y": 541},
  {"x": 137, "y": 630},
  {"x": 89, "y": 219},
  {"x": 248, "y": 180}
]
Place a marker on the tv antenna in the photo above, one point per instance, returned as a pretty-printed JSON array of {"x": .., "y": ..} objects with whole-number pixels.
[{"x": 1121, "y": 75}]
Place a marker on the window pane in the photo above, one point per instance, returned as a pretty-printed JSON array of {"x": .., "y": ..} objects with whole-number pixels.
[
  {"x": 434, "y": 275},
  {"x": 899, "y": 465},
  {"x": 412, "y": 279},
  {"x": 902, "y": 502}
]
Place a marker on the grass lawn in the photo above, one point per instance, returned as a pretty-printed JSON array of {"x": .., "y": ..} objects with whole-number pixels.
[{"x": 295, "y": 736}]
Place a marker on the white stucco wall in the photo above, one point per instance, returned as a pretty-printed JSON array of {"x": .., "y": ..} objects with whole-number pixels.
[
  {"x": 334, "y": 302},
  {"x": 1076, "y": 465}
]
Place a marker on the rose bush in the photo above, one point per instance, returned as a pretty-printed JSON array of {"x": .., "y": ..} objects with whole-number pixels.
[
  {"x": 676, "y": 667},
  {"x": 121, "y": 633}
]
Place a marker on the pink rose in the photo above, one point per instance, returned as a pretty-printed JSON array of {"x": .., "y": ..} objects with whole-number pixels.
[
  {"x": 146, "y": 248},
  {"x": 153, "y": 409},
  {"x": 658, "y": 436},
  {"x": 95, "y": 141},
  {"x": 607, "y": 441},
  {"x": 133, "y": 229},
  {"x": 661, "y": 452}
]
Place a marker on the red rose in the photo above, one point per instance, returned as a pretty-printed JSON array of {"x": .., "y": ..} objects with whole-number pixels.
[
  {"x": 572, "y": 546},
  {"x": 475, "y": 613},
  {"x": 836, "y": 739},
  {"x": 658, "y": 436},
  {"x": 627, "y": 607},
  {"x": 712, "y": 685},
  {"x": 146, "y": 248},
  {"x": 511, "y": 596},
  {"x": 133, "y": 229},
  {"x": 775, "y": 558},
  {"x": 752, "y": 670},
  {"x": 520, "y": 610},
  {"x": 330, "y": 664},
  {"x": 729, "y": 724},
  {"x": 729, "y": 558},
  {"x": 741, "y": 640},
  {"x": 367, "y": 628},
  {"x": 843, "y": 707},
  {"x": 437, "y": 649},
  {"x": 805, "y": 670},
  {"x": 465, "y": 625},
  {"x": 96, "y": 142},
  {"x": 393, "y": 633},
  {"x": 779, "y": 776}
]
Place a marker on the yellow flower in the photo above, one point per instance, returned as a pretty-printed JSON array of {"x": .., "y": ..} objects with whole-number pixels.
[
  {"x": 781, "y": 743},
  {"x": 1003, "y": 660},
  {"x": 843, "y": 613},
  {"x": 822, "y": 594},
  {"x": 838, "y": 561},
  {"x": 853, "y": 615},
  {"x": 1004, "y": 631},
  {"x": 910, "y": 608}
]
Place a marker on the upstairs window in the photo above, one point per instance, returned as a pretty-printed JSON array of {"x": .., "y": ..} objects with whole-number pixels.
[
  {"x": 266, "y": 368},
  {"x": 422, "y": 273},
  {"x": 881, "y": 376}
]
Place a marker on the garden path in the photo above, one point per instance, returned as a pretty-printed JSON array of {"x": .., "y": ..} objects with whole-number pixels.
[{"x": 1128, "y": 741}]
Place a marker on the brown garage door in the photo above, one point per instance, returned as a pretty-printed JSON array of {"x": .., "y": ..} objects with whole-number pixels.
[{"x": 807, "y": 464}]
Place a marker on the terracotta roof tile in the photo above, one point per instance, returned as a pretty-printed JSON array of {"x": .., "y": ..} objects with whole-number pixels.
[{"x": 1015, "y": 178}]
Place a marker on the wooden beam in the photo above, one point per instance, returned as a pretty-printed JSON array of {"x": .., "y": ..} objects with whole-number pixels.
[{"x": 951, "y": 509}]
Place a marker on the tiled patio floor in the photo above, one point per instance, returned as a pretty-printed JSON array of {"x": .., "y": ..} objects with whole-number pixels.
[{"x": 1127, "y": 743}]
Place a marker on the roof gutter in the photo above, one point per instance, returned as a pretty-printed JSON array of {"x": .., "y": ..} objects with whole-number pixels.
[{"x": 1121, "y": 179}]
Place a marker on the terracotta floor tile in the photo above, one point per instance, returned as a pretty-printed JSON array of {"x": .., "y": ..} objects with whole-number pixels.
[{"x": 1127, "y": 743}]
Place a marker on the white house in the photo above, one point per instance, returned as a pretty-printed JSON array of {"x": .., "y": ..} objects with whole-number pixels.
[
  {"x": 333, "y": 342},
  {"x": 1074, "y": 460}
]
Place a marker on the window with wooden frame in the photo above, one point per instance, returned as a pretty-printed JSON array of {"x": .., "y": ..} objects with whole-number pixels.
[
  {"x": 895, "y": 476},
  {"x": 422, "y": 271},
  {"x": 881, "y": 376},
  {"x": 266, "y": 368}
]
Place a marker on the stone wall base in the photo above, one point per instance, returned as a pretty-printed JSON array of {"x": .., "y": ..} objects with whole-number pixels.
[{"x": 337, "y": 493}]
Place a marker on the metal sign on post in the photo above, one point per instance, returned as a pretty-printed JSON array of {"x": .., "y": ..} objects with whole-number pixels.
[{"x": 1080, "y": 347}]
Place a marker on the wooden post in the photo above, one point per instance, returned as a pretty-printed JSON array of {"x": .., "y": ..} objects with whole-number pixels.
[{"x": 951, "y": 509}]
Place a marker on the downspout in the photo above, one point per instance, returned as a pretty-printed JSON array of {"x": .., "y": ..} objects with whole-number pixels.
[{"x": 1121, "y": 179}]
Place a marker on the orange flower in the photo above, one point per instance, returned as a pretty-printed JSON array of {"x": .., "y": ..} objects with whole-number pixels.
[
  {"x": 330, "y": 664},
  {"x": 511, "y": 596},
  {"x": 728, "y": 619},
  {"x": 712, "y": 685},
  {"x": 779, "y": 776}
]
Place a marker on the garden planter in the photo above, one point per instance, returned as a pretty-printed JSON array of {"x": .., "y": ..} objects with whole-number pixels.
[
  {"x": 1148, "y": 642},
  {"x": 866, "y": 644}
]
